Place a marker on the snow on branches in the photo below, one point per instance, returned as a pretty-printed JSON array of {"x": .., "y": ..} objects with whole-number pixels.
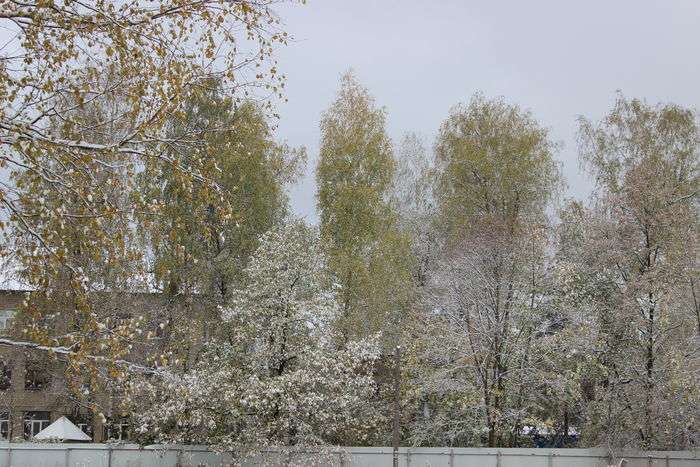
[{"x": 281, "y": 379}]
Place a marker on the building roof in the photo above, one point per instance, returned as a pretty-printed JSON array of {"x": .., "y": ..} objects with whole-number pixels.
[{"x": 62, "y": 430}]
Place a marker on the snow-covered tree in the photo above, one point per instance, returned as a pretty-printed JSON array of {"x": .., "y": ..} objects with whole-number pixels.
[
  {"x": 281, "y": 380},
  {"x": 482, "y": 303},
  {"x": 627, "y": 266},
  {"x": 475, "y": 357}
]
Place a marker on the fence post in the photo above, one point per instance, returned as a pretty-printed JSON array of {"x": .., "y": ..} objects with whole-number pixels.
[
  {"x": 498, "y": 459},
  {"x": 650, "y": 461},
  {"x": 668, "y": 461},
  {"x": 550, "y": 459},
  {"x": 109, "y": 456},
  {"x": 396, "y": 432},
  {"x": 452, "y": 457},
  {"x": 9, "y": 456},
  {"x": 67, "y": 457}
]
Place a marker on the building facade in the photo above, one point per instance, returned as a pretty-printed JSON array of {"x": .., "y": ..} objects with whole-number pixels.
[{"x": 33, "y": 387}]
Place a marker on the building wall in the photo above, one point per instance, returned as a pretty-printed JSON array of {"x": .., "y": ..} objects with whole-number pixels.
[
  {"x": 17, "y": 400},
  {"x": 56, "y": 398}
]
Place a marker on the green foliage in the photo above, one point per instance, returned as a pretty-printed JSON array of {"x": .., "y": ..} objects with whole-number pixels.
[
  {"x": 355, "y": 169},
  {"x": 496, "y": 167},
  {"x": 202, "y": 244},
  {"x": 484, "y": 297},
  {"x": 367, "y": 253}
]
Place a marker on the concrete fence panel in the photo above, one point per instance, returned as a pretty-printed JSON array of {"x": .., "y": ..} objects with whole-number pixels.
[{"x": 103, "y": 455}]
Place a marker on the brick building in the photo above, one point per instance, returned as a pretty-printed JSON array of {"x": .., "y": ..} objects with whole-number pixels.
[{"x": 33, "y": 389}]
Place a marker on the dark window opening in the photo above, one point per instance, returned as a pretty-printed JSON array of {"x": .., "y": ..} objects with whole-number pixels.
[
  {"x": 5, "y": 376},
  {"x": 34, "y": 422},
  {"x": 37, "y": 377},
  {"x": 5, "y": 426}
]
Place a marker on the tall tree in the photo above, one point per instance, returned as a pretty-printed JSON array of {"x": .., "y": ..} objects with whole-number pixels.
[
  {"x": 642, "y": 251},
  {"x": 496, "y": 177},
  {"x": 496, "y": 168},
  {"x": 153, "y": 54},
  {"x": 358, "y": 224},
  {"x": 250, "y": 170},
  {"x": 412, "y": 195},
  {"x": 194, "y": 246}
]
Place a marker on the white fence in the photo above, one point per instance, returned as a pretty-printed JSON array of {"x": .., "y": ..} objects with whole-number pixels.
[{"x": 102, "y": 455}]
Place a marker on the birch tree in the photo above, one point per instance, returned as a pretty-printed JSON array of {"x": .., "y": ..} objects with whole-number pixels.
[
  {"x": 496, "y": 176},
  {"x": 194, "y": 247},
  {"x": 140, "y": 61},
  {"x": 412, "y": 196},
  {"x": 368, "y": 254},
  {"x": 642, "y": 252},
  {"x": 252, "y": 172}
]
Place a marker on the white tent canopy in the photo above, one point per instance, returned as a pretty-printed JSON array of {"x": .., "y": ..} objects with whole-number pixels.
[{"x": 63, "y": 430}]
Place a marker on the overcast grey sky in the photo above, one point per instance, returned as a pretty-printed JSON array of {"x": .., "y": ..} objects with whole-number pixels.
[{"x": 559, "y": 59}]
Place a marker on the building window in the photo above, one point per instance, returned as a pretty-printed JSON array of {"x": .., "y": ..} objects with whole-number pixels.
[
  {"x": 117, "y": 429},
  {"x": 36, "y": 378},
  {"x": 5, "y": 375},
  {"x": 34, "y": 422},
  {"x": 6, "y": 319},
  {"x": 5, "y": 426}
]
